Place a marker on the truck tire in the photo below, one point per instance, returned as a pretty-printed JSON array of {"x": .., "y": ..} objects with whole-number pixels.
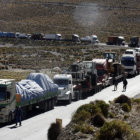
[
  {"x": 52, "y": 103},
  {"x": 70, "y": 98},
  {"x": 10, "y": 118},
  {"x": 45, "y": 106}
]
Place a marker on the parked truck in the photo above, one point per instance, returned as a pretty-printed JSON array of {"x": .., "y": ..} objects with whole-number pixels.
[
  {"x": 83, "y": 78},
  {"x": 131, "y": 61},
  {"x": 72, "y": 38},
  {"x": 103, "y": 71},
  {"x": 116, "y": 40},
  {"x": 52, "y": 37},
  {"x": 128, "y": 62},
  {"x": 115, "y": 68},
  {"x": 37, "y": 91},
  {"x": 134, "y": 41},
  {"x": 84, "y": 75},
  {"x": 65, "y": 87}
]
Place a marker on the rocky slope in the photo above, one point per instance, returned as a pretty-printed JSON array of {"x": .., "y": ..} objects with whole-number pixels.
[{"x": 131, "y": 118}]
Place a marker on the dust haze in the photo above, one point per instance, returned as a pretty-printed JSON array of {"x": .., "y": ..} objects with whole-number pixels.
[{"x": 87, "y": 14}]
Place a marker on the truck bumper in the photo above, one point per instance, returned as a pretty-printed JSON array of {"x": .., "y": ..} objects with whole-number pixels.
[{"x": 63, "y": 98}]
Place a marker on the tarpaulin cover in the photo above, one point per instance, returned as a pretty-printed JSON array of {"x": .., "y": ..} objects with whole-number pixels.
[{"x": 36, "y": 85}]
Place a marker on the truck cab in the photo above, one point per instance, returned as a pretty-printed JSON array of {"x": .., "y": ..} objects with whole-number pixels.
[
  {"x": 94, "y": 39},
  {"x": 65, "y": 87},
  {"x": 7, "y": 100},
  {"x": 102, "y": 67},
  {"x": 116, "y": 40},
  {"x": 128, "y": 62},
  {"x": 131, "y": 52},
  {"x": 90, "y": 67}
]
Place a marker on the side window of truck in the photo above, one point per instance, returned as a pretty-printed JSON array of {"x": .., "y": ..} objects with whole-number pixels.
[
  {"x": 8, "y": 95},
  {"x": 69, "y": 81}
]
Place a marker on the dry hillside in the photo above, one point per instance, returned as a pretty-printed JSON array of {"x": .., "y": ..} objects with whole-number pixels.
[{"x": 84, "y": 17}]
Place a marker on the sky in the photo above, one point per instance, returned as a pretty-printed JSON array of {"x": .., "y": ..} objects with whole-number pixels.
[{"x": 36, "y": 128}]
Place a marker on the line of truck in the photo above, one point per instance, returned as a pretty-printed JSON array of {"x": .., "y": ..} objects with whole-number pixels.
[
  {"x": 111, "y": 40},
  {"x": 82, "y": 79},
  {"x": 85, "y": 78}
]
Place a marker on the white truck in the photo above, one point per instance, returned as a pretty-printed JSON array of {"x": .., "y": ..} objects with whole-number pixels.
[
  {"x": 52, "y": 37},
  {"x": 128, "y": 62},
  {"x": 94, "y": 39},
  {"x": 65, "y": 87}
]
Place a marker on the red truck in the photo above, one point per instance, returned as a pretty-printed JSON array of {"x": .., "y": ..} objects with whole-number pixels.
[
  {"x": 102, "y": 66},
  {"x": 116, "y": 40}
]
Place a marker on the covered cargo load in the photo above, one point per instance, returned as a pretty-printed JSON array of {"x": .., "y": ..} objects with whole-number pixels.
[{"x": 37, "y": 87}]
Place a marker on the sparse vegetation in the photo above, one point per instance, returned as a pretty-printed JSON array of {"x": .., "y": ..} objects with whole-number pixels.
[
  {"x": 123, "y": 99},
  {"x": 84, "y": 128},
  {"x": 126, "y": 107},
  {"x": 98, "y": 120},
  {"x": 113, "y": 127},
  {"x": 103, "y": 106},
  {"x": 111, "y": 115},
  {"x": 91, "y": 108},
  {"x": 81, "y": 117},
  {"x": 116, "y": 130},
  {"x": 136, "y": 101}
]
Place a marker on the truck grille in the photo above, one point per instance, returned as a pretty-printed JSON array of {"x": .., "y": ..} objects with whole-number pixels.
[{"x": 128, "y": 70}]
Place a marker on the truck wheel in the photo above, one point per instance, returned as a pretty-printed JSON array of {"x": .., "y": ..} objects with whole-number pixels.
[
  {"x": 52, "y": 103},
  {"x": 45, "y": 106},
  {"x": 10, "y": 118},
  {"x": 49, "y": 104},
  {"x": 70, "y": 98}
]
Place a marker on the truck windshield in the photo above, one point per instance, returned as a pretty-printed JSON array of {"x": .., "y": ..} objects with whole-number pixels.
[
  {"x": 128, "y": 52},
  {"x": 2, "y": 94},
  {"x": 128, "y": 62},
  {"x": 88, "y": 65},
  {"x": 61, "y": 81}
]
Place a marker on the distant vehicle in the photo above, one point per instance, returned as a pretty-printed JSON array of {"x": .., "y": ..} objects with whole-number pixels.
[
  {"x": 116, "y": 40},
  {"x": 75, "y": 38},
  {"x": 22, "y": 36},
  {"x": 52, "y": 37},
  {"x": 71, "y": 38},
  {"x": 134, "y": 42},
  {"x": 7, "y": 35},
  {"x": 10, "y": 35},
  {"x": 37, "y": 36},
  {"x": 85, "y": 39},
  {"x": 91, "y": 39},
  {"x": 94, "y": 39}
]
